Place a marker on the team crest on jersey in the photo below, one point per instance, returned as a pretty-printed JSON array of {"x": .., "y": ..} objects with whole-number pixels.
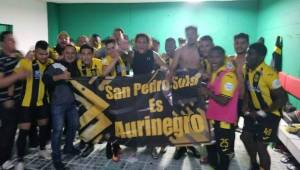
[
  {"x": 229, "y": 65},
  {"x": 256, "y": 77},
  {"x": 37, "y": 74}
]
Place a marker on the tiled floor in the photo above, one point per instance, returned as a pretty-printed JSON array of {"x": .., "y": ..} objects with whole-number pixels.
[{"x": 142, "y": 160}]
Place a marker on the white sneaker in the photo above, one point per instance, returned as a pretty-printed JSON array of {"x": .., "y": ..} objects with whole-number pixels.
[
  {"x": 45, "y": 154},
  {"x": 19, "y": 166},
  {"x": 7, "y": 165}
]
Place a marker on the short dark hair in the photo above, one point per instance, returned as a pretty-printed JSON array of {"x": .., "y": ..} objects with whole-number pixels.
[
  {"x": 41, "y": 45},
  {"x": 86, "y": 46},
  {"x": 242, "y": 36},
  {"x": 95, "y": 35},
  {"x": 155, "y": 41},
  {"x": 206, "y": 38},
  {"x": 3, "y": 35},
  {"x": 144, "y": 35},
  {"x": 170, "y": 39},
  {"x": 70, "y": 45},
  {"x": 119, "y": 29},
  {"x": 191, "y": 27},
  {"x": 110, "y": 40},
  {"x": 259, "y": 48},
  {"x": 218, "y": 49},
  {"x": 181, "y": 40}
]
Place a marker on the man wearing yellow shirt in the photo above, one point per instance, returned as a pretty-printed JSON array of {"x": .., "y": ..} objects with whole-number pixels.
[
  {"x": 81, "y": 41},
  {"x": 95, "y": 42},
  {"x": 222, "y": 92},
  {"x": 87, "y": 65},
  {"x": 113, "y": 65},
  {"x": 63, "y": 39},
  {"x": 265, "y": 98},
  {"x": 34, "y": 101}
]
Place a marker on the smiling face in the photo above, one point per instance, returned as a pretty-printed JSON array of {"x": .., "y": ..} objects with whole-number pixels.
[
  {"x": 251, "y": 58},
  {"x": 205, "y": 46},
  {"x": 95, "y": 41},
  {"x": 118, "y": 35},
  {"x": 86, "y": 56},
  {"x": 241, "y": 46},
  {"x": 170, "y": 47},
  {"x": 82, "y": 40},
  {"x": 69, "y": 54},
  {"x": 142, "y": 44},
  {"x": 112, "y": 49},
  {"x": 216, "y": 59},
  {"x": 63, "y": 40}
]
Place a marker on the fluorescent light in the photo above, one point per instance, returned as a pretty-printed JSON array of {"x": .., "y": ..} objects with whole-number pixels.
[{"x": 193, "y": 1}]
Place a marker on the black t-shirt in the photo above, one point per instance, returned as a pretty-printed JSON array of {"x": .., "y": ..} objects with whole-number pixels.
[
  {"x": 61, "y": 92},
  {"x": 143, "y": 63}
]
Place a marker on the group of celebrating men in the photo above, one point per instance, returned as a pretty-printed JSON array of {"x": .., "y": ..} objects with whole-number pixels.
[{"x": 35, "y": 88}]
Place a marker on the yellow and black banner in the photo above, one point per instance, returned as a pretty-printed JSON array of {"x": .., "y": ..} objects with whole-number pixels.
[{"x": 142, "y": 110}]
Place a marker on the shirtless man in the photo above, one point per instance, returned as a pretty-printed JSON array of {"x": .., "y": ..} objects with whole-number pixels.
[
  {"x": 241, "y": 43},
  {"x": 187, "y": 59}
]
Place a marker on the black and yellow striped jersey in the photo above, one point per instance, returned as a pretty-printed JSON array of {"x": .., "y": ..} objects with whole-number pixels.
[
  {"x": 7, "y": 65},
  {"x": 95, "y": 68},
  {"x": 34, "y": 92},
  {"x": 260, "y": 82},
  {"x": 120, "y": 67}
]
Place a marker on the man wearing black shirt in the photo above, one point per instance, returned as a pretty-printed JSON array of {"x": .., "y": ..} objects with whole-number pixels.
[{"x": 62, "y": 104}]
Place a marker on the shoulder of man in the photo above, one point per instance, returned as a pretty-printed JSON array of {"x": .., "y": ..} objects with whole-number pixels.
[
  {"x": 230, "y": 75},
  {"x": 96, "y": 61},
  {"x": 270, "y": 76},
  {"x": 24, "y": 63}
]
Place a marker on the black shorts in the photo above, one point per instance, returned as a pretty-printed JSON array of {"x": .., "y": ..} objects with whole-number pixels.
[
  {"x": 224, "y": 137},
  {"x": 264, "y": 129},
  {"x": 240, "y": 108},
  {"x": 29, "y": 114}
]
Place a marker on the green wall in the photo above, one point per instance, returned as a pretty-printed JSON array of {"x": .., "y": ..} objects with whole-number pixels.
[
  {"x": 160, "y": 20},
  {"x": 267, "y": 18},
  {"x": 281, "y": 17}
]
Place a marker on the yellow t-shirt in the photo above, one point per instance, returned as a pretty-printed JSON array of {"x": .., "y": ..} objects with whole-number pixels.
[
  {"x": 95, "y": 69},
  {"x": 120, "y": 67},
  {"x": 229, "y": 81},
  {"x": 260, "y": 83}
]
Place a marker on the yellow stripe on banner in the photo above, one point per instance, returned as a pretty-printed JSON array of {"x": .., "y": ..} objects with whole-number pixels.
[
  {"x": 277, "y": 50},
  {"x": 97, "y": 139},
  {"x": 83, "y": 101},
  {"x": 89, "y": 115},
  {"x": 91, "y": 96},
  {"x": 192, "y": 136},
  {"x": 93, "y": 130}
]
